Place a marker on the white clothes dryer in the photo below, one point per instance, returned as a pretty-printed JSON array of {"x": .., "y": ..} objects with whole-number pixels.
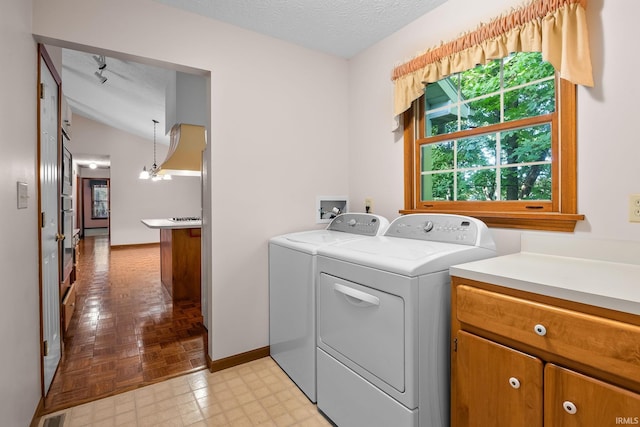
[
  {"x": 292, "y": 293},
  {"x": 384, "y": 321}
]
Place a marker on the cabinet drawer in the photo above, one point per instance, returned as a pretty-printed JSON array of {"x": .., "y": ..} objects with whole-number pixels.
[
  {"x": 604, "y": 344},
  {"x": 69, "y": 305},
  {"x": 569, "y": 401}
]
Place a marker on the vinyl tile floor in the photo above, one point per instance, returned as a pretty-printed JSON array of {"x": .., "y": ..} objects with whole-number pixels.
[{"x": 257, "y": 393}]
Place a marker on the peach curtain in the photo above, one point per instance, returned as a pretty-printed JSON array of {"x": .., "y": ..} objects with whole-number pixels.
[{"x": 556, "y": 28}]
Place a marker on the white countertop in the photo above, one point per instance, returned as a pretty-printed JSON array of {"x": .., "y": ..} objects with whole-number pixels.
[
  {"x": 595, "y": 280},
  {"x": 168, "y": 223}
]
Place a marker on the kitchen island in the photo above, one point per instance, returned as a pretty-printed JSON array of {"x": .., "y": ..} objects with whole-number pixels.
[{"x": 179, "y": 256}]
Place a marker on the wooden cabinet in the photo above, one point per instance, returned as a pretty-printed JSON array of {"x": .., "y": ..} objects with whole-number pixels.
[
  {"x": 522, "y": 359},
  {"x": 575, "y": 400},
  {"x": 180, "y": 262},
  {"x": 68, "y": 306},
  {"x": 497, "y": 385}
]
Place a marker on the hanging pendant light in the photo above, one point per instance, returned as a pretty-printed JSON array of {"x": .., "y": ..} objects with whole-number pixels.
[
  {"x": 144, "y": 174},
  {"x": 154, "y": 171}
]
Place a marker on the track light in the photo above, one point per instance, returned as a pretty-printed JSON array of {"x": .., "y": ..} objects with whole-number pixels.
[
  {"x": 100, "y": 76},
  {"x": 102, "y": 65},
  {"x": 101, "y": 60}
]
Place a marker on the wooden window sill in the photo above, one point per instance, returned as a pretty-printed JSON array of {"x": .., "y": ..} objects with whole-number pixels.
[{"x": 547, "y": 221}]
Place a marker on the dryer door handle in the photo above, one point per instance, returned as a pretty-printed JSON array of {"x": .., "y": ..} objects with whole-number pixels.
[{"x": 364, "y": 299}]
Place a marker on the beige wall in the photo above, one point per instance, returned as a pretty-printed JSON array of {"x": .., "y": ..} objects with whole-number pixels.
[
  {"x": 19, "y": 304},
  {"x": 133, "y": 199},
  {"x": 278, "y": 137},
  {"x": 608, "y": 149}
]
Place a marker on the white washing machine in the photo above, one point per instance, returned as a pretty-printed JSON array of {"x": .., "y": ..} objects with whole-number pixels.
[
  {"x": 292, "y": 295},
  {"x": 383, "y": 321}
]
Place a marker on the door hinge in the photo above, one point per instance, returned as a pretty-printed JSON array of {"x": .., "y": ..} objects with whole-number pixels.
[
  {"x": 41, "y": 219},
  {"x": 41, "y": 90},
  {"x": 455, "y": 344},
  {"x": 45, "y": 348}
]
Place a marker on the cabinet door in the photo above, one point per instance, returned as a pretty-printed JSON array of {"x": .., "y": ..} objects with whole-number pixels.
[
  {"x": 573, "y": 399},
  {"x": 496, "y": 385}
]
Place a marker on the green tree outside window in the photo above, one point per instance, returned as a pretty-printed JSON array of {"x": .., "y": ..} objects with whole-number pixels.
[{"x": 503, "y": 163}]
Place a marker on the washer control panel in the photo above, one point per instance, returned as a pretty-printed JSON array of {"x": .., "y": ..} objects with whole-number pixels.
[
  {"x": 441, "y": 228},
  {"x": 359, "y": 223}
]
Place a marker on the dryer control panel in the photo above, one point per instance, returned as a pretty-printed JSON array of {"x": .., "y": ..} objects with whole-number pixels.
[
  {"x": 359, "y": 223},
  {"x": 442, "y": 228}
]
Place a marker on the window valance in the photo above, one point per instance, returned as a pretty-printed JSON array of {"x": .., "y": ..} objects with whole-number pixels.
[{"x": 556, "y": 28}]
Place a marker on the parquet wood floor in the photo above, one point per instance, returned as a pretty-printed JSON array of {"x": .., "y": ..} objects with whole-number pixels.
[{"x": 126, "y": 331}]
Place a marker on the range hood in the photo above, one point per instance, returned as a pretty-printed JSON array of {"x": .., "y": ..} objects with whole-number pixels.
[{"x": 185, "y": 150}]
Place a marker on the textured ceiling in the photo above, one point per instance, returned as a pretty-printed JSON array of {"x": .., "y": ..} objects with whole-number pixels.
[
  {"x": 339, "y": 27},
  {"x": 134, "y": 94},
  {"x": 131, "y": 91}
]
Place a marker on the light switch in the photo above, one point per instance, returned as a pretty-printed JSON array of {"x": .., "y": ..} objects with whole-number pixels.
[{"x": 23, "y": 195}]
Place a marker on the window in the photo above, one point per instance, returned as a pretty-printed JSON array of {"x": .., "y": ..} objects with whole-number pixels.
[
  {"x": 496, "y": 142},
  {"x": 99, "y": 199}
]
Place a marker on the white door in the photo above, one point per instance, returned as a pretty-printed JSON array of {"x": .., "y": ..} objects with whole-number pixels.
[{"x": 49, "y": 209}]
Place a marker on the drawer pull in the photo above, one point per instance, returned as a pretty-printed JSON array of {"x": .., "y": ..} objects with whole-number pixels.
[
  {"x": 515, "y": 383},
  {"x": 540, "y": 330},
  {"x": 570, "y": 407}
]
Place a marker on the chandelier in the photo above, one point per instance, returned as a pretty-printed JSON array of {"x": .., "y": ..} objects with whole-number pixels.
[{"x": 154, "y": 172}]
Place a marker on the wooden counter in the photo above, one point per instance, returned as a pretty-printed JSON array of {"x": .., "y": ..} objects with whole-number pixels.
[
  {"x": 179, "y": 257},
  {"x": 180, "y": 262}
]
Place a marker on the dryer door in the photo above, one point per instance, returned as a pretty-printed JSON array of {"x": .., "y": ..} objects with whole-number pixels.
[{"x": 364, "y": 327}]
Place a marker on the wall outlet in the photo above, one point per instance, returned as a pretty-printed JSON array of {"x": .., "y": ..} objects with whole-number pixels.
[
  {"x": 634, "y": 208},
  {"x": 368, "y": 205}
]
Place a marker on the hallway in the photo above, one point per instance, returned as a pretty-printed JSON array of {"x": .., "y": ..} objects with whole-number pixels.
[{"x": 126, "y": 331}]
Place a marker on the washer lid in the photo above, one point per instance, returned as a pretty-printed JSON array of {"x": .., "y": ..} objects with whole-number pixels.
[
  {"x": 344, "y": 227},
  {"x": 310, "y": 241},
  {"x": 321, "y": 237}
]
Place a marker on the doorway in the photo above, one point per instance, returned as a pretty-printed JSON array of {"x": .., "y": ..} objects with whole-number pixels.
[
  {"x": 94, "y": 202},
  {"x": 114, "y": 344},
  {"x": 126, "y": 330},
  {"x": 91, "y": 374}
]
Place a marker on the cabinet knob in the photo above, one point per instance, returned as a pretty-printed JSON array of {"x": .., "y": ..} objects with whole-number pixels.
[
  {"x": 540, "y": 330},
  {"x": 515, "y": 383},
  {"x": 570, "y": 407}
]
